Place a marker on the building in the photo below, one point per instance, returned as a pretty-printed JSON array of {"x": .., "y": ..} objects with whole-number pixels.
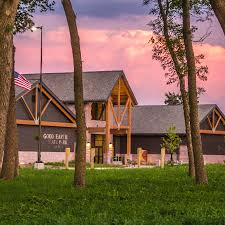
[
  {"x": 58, "y": 125},
  {"x": 113, "y": 118},
  {"x": 151, "y": 122}
]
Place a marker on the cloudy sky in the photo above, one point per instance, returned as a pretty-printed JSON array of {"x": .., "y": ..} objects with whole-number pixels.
[{"x": 114, "y": 35}]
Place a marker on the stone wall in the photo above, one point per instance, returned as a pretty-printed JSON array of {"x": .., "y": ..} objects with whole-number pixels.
[{"x": 31, "y": 157}]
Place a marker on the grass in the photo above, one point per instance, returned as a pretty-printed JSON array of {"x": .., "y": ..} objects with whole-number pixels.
[
  {"x": 126, "y": 196},
  {"x": 72, "y": 164}
]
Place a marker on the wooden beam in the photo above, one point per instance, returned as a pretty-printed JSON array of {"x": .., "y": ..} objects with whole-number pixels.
[
  {"x": 96, "y": 129},
  {"x": 27, "y": 107},
  {"x": 26, "y": 122},
  {"x": 121, "y": 127},
  {"x": 129, "y": 131},
  {"x": 59, "y": 106},
  {"x": 213, "y": 120},
  {"x": 36, "y": 103},
  {"x": 107, "y": 132},
  {"x": 57, "y": 124},
  {"x": 46, "y": 106},
  {"x": 218, "y": 132},
  {"x": 217, "y": 123},
  {"x": 219, "y": 114},
  {"x": 45, "y": 123},
  {"x": 118, "y": 104},
  {"x": 209, "y": 122},
  {"x": 125, "y": 109},
  {"x": 113, "y": 111}
]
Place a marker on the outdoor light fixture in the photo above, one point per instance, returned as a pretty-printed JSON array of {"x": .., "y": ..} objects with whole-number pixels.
[
  {"x": 39, "y": 161},
  {"x": 88, "y": 145},
  {"x": 36, "y": 28},
  {"x": 110, "y": 145}
]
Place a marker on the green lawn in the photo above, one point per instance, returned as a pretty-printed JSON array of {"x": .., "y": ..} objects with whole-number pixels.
[{"x": 125, "y": 196}]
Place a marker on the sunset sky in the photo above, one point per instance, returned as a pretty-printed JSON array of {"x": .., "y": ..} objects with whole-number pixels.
[{"x": 114, "y": 36}]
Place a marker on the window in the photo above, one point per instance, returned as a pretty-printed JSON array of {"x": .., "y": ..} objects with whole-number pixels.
[{"x": 98, "y": 111}]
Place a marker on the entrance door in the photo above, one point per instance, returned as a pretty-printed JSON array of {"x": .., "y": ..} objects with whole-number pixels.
[{"x": 97, "y": 142}]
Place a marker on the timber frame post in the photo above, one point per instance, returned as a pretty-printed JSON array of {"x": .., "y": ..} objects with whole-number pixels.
[
  {"x": 118, "y": 121},
  {"x": 107, "y": 132}
]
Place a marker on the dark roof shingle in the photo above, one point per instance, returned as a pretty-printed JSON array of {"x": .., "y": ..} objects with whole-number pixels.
[
  {"x": 156, "y": 119},
  {"x": 97, "y": 85}
]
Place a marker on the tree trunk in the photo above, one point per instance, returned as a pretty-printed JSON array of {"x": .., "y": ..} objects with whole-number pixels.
[
  {"x": 80, "y": 157},
  {"x": 200, "y": 172},
  {"x": 8, "y": 10},
  {"x": 219, "y": 10},
  {"x": 10, "y": 165},
  {"x": 191, "y": 168},
  {"x": 177, "y": 66}
]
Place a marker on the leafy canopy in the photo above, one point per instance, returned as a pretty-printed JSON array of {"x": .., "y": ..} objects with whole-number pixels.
[
  {"x": 24, "y": 17},
  {"x": 167, "y": 39}
]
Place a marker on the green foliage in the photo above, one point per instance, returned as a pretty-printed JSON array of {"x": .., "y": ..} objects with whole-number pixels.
[
  {"x": 26, "y": 9},
  {"x": 175, "y": 66},
  {"x": 173, "y": 99},
  {"x": 114, "y": 197},
  {"x": 172, "y": 141}
]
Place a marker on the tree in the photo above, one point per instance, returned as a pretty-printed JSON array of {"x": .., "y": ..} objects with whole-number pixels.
[
  {"x": 219, "y": 10},
  {"x": 176, "y": 99},
  {"x": 200, "y": 173},
  {"x": 168, "y": 48},
  {"x": 171, "y": 142},
  {"x": 26, "y": 10},
  {"x": 173, "y": 99},
  {"x": 80, "y": 157},
  {"x": 10, "y": 159},
  {"x": 23, "y": 22},
  {"x": 8, "y": 10}
]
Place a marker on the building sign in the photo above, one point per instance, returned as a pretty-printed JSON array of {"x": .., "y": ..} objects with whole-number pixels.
[{"x": 54, "y": 139}]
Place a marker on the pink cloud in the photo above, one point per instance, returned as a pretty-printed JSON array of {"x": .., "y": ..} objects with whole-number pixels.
[{"x": 109, "y": 49}]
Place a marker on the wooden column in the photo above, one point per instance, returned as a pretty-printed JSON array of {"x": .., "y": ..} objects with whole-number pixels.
[
  {"x": 107, "y": 131},
  {"x": 118, "y": 105},
  {"x": 129, "y": 130}
]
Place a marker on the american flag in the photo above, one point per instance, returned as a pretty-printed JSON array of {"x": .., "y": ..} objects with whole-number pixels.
[{"x": 21, "y": 81}]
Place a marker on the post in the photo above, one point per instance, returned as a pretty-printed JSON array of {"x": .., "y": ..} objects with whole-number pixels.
[
  {"x": 40, "y": 104},
  {"x": 139, "y": 152},
  {"x": 92, "y": 157},
  {"x": 129, "y": 131},
  {"x": 163, "y": 153},
  {"x": 67, "y": 158},
  {"x": 107, "y": 132}
]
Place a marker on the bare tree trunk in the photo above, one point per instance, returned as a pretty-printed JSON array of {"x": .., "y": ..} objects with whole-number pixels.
[
  {"x": 191, "y": 168},
  {"x": 219, "y": 10},
  {"x": 80, "y": 157},
  {"x": 177, "y": 66},
  {"x": 9, "y": 166},
  {"x": 7, "y": 18},
  {"x": 200, "y": 172}
]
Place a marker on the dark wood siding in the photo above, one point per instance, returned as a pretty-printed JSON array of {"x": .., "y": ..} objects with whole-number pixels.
[
  {"x": 147, "y": 142},
  {"x": 213, "y": 144},
  {"x": 54, "y": 139},
  {"x": 53, "y": 114}
]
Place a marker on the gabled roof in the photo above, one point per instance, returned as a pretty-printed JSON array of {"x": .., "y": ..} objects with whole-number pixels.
[
  {"x": 21, "y": 92},
  {"x": 156, "y": 119},
  {"x": 97, "y": 85}
]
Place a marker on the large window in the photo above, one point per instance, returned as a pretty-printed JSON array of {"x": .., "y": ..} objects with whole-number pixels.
[{"x": 98, "y": 111}]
